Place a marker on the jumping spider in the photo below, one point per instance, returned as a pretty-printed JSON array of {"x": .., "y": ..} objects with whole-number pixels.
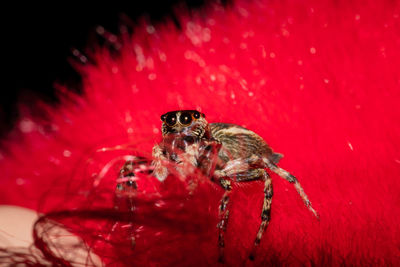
[{"x": 223, "y": 152}]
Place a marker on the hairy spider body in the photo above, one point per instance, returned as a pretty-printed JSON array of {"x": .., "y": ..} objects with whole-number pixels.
[{"x": 223, "y": 152}]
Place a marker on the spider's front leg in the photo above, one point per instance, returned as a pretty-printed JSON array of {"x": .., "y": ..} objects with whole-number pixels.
[
  {"x": 160, "y": 170},
  {"x": 126, "y": 184}
]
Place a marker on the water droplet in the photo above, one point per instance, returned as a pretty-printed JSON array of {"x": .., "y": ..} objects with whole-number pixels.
[
  {"x": 152, "y": 76},
  {"x": 150, "y": 29},
  {"x": 26, "y": 126},
  {"x": 20, "y": 181}
]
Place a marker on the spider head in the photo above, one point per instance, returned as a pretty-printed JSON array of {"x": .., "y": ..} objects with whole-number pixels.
[{"x": 185, "y": 122}]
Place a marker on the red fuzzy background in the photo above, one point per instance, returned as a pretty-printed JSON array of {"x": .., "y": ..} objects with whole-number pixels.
[{"x": 318, "y": 80}]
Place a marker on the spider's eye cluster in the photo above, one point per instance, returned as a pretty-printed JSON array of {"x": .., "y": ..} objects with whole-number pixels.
[{"x": 185, "y": 118}]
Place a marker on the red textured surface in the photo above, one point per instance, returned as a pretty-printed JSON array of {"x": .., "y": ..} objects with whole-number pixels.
[{"x": 318, "y": 80}]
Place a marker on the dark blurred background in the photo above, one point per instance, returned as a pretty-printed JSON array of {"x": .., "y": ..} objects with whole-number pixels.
[{"x": 39, "y": 39}]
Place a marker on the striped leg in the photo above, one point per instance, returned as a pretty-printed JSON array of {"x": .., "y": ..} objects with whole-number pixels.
[
  {"x": 266, "y": 211},
  {"x": 293, "y": 180},
  {"x": 223, "y": 214},
  {"x": 257, "y": 174}
]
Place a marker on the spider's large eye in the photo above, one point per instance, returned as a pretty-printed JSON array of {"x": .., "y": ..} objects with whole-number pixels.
[
  {"x": 196, "y": 115},
  {"x": 185, "y": 118},
  {"x": 163, "y": 117},
  {"x": 170, "y": 119}
]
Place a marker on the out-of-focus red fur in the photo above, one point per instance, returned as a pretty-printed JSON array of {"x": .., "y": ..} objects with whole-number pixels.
[{"x": 319, "y": 81}]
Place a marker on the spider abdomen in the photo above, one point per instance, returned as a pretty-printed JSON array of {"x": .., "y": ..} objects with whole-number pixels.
[{"x": 239, "y": 142}]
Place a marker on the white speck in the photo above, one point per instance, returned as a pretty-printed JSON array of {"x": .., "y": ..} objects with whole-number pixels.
[
  {"x": 300, "y": 62},
  {"x": 272, "y": 55},
  {"x": 206, "y": 34},
  {"x": 112, "y": 38},
  {"x": 326, "y": 81},
  {"x": 358, "y": 106},
  {"x": 159, "y": 203},
  {"x": 20, "y": 181},
  {"x": 212, "y": 77},
  {"x": 264, "y": 53},
  {"x": 251, "y": 93},
  {"x": 150, "y": 29},
  {"x": 83, "y": 59},
  {"x": 301, "y": 86},
  {"x": 351, "y": 147},
  {"x": 155, "y": 130},
  {"x": 357, "y": 17},
  {"x": 134, "y": 88},
  {"x": 54, "y": 160},
  {"x": 129, "y": 131},
  {"x": 285, "y": 32},
  {"x": 67, "y": 153},
  {"x": 163, "y": 57},
  {"x": 26, "y": 126},
  {"x": 243, "y": 83},
  {"x": 152, "y": 76},
  {"x": 114, "y": 70},
  {"x": 128, "y": 117},
  {"x": 198, "y": 80},
  {"x": 313, "y": 50},
  {"x": 100, "y": 30},
  {"x": 243, "y": 12},
  {"x": 232, "y": 95}
]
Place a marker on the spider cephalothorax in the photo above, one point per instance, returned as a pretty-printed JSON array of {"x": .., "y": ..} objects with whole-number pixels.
[
  {"x": 188, "y": 122},
  {"x": 225, "y": 153}
]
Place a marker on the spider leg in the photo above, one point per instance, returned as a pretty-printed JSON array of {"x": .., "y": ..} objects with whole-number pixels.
[
  {"x": 257, "y": 174},
  {"x": 127, "y": 186},
  {"x": 223, "y": 214},
  {"x": 246, "y": 176},
  {"x": 293, "y": 180},
  {"x": 160, "y": 171}
]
